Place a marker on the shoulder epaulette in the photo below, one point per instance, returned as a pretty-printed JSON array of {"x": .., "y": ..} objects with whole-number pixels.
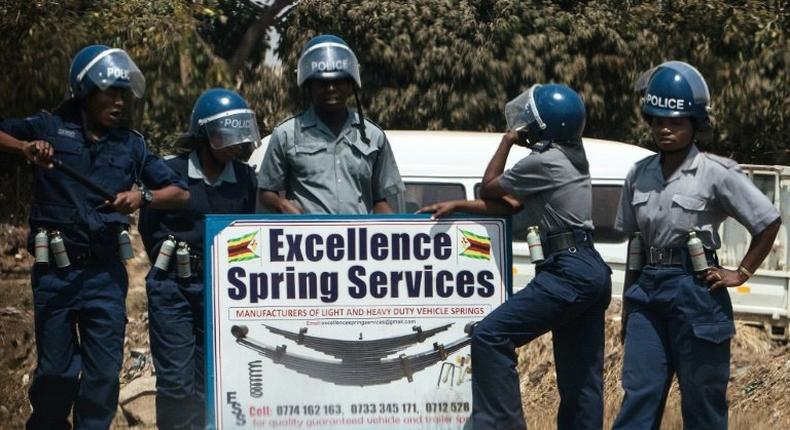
[
  {"x": 724, "y": 161},
  {"x": 288, "y": 119},
  {"x": 368, "y": 121}
]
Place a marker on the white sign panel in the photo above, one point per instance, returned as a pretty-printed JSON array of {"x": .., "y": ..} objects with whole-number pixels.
[{"x": 347, "y": 322}]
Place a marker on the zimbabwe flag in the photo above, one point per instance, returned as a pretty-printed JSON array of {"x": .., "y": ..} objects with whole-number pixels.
[
  {"x": 474, "y": 245},
  {"x": 242, "y": 248}
]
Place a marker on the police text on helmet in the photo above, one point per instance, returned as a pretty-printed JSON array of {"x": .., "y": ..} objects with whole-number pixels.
[
  {"x": 329, "y": 66},
  {"x": 237, "y": 123},
  {"x": 665, "y": 102},
  {"x": 117, "y": 73}
]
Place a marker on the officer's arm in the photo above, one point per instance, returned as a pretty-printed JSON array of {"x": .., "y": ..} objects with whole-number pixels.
[
  {"x": 382, "y": 207},
  {"x": 491, "y": 188},
  {"x": 505, "y": 206},
  {"x": 37, "y": 151},
  {"x": 273, "y": 202}
]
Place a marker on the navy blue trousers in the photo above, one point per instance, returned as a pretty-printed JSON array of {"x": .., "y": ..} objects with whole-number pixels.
[
  {"x": 80, "y": 318},
  {"x": 568, "y": 297},
  {"x": 676, "y": 326},
  {"x": 175, "y": 313}
]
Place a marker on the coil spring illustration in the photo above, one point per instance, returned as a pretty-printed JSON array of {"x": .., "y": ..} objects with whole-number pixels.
[{"x": 256, "y": 378}]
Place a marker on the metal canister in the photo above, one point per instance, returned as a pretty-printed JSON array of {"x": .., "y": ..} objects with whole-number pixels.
[
  {"x": 165, "y": 253},
  {"x": 41, "y": 246},
  {"x": 696, "y": 253},
  {"x": 125, "y": 245},
  {"x": 535, "y": 247},
  {"x": 635, "y": 250},
  {"x": 59, "y": 250},
  {"x": 183, "y": 260}
]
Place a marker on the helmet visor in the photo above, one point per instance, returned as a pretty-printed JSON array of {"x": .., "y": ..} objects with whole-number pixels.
[
  {"x": 328, "y": 60},
  {"x": 522, "y": 111},
  {"x": 231, "y": 128},
  {"x": 114, "y": 68}
]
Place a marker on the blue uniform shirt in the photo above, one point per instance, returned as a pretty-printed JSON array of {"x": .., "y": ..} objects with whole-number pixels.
[
  {"x": 324, "y": 173},
  {"x": 233, "y": 192},
  {"x": 698, "y": 197},
  {"x": 116, "y": 162}
]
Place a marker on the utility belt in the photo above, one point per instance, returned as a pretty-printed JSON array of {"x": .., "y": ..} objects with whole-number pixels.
[
  {"x": 567, "y": 241},
  {"x": 186, "y": 263},
  {"x": 540, "y": 247},
  {"x": 694, "y": 256},
  {"x": 50, "y": 246},
  {"x": 673, "y": 256}
]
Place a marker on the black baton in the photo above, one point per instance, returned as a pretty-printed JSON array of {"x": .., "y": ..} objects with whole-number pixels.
[{"x": 79, "y": 177}]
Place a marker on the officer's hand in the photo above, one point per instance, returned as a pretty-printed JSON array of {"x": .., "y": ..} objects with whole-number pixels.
[
  {"x": 518, "y": 138},
  {"x": 438, "y": 209},
  {"x": 718, "y": 277},
  {"x": 126, "y": 202},
  {"x": 39, "y": 152}
]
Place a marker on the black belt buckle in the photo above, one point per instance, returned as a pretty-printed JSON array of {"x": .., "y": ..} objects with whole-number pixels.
[{"x": 664, "y": 256}]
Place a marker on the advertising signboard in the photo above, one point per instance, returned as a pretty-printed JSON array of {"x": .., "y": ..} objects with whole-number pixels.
[{"x": 343, "y": 322}]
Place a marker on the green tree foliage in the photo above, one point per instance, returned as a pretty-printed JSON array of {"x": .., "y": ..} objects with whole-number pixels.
[
  {"x": 454, "y": 64},
  {"x": 427, "y": 64}
]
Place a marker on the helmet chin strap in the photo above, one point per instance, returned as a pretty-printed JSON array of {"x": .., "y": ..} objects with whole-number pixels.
[{"x": 361, "y": 116}]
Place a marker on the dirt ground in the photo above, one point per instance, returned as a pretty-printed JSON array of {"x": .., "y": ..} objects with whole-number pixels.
[{"x": 759, "y": 390}]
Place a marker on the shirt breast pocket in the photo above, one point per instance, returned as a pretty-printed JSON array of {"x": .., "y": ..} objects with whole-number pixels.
[
  {"x": 639, "y": 204},
  {"x": 362, "y": 158},
  {"x": 688, "y": 211},
  {"x": 309, "y": 158},
  {"x": 114, "y": 171}
]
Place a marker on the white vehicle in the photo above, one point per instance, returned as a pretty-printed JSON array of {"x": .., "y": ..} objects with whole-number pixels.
[{"x": 444, "y": 165}]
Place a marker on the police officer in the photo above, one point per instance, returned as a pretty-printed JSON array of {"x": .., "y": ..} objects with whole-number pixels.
[
  {"x": 328, "y": 159},
  {"x": 572, "y": 286},
  {"x": 222, "y": 124},
  {"x": 679, "y": 322},
  {"x": 79, "y": 308}
]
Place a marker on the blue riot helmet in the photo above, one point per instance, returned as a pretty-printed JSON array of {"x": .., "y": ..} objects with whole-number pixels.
[
  {"x": 225, "y": 119},
  {"x": 102, "y": 67},
  {"x": 327, "y": 57},
  {"x": 552, "y": 112},
  {"x": 675, "y": 89}
]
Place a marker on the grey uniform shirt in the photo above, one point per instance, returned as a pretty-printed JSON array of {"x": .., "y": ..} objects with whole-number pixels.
[
  {"x": 327, "y": 174},
  {"x": 699, "y": 196},
  {"x": 557, "y": 195}
]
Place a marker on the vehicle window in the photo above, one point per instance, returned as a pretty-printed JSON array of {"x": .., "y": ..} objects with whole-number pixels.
[
  {"x": 766, "y": 183},
  {"x": 606, "y": 199},
  {"x": 419, "y": 194}
]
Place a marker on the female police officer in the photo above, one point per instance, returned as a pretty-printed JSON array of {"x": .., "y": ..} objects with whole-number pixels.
[
  {"x": 328, "y": 159},
  {"x": 676, "y": 321},
  {"x": 571, "y": 290},
  {"x": 79, "y": 307},
  {"x": 222, "y": 123}
]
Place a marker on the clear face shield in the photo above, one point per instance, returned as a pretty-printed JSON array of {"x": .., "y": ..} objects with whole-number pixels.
[
  {"x": 114, "y": 68},
  {"x": 231, "y": 128},
  {"x": 328, "y": 60},
  {"x": 522, "y": 111}
]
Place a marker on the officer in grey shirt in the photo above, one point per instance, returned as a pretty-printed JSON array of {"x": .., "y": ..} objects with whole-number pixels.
[
  {"x": 676, "y": 321},
  {"x": 328, "y": 159},
  {"x": 572, "y": 286}
]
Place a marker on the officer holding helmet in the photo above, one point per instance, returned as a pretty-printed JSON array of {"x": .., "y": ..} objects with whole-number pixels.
[
  {"x": 678, "y": 317},
  {"x": 572, "y": 286},
  {"x": 222, "y": 125},
  {"x": 79, "y": 290},
  {"x": 328, "y": 159}
]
